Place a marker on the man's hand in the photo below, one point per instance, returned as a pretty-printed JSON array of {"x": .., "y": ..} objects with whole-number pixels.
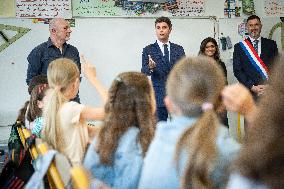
[
  {"x": 258, "y": 89},
  {"x": 151, "y": 63}
]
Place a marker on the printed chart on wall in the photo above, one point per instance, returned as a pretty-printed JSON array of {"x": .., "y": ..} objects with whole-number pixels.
[
  {"x": 274, "y": 7},
  {"x": 43, "y": 9},
  {"x": 135, "y": 8},
  {"x": 10, "y": 34}
]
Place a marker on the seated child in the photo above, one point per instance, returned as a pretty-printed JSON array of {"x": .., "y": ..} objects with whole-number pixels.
[
  {"x": 66, "y": 129},
  {"x": 34, "y": 113},
  {"x": 116, "y": 154},
  {"x": 193, "y": 149}
]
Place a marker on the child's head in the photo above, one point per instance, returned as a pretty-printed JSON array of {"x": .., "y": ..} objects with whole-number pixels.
[
  {"x": 131, "y": 103},
  {"x": 63, "y": 80},
  {"x": 63, "y": 76},
  {"x": 193, "y": 83},
  {"x": 37, "y": 80},
  {"x": 130, "y": 92},
  {"x": 193, "y": 90},
  {"x": 36, "y": 102},
  {"x": 267, "y": 126}
]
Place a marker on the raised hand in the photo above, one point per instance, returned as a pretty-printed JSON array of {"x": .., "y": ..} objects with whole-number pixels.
[
  {"x": 88, "y": 69},
  {"x": 237, "y": 98}
]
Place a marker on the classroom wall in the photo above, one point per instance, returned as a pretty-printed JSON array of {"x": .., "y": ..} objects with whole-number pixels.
[{"x": 113, "y": 45}]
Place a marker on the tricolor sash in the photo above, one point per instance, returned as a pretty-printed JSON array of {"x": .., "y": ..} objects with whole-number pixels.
[{"x": 254, "y": 58}]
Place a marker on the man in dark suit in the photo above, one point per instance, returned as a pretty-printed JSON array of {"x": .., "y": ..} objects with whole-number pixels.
[
  {"x": 245, "y": 68},
  {"x": 157, "y": 61}
]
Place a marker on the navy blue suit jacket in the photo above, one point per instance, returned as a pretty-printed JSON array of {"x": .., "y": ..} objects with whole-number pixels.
[
  {"x": 244, "y": 70},
  {"x": 162, "y": 69}
]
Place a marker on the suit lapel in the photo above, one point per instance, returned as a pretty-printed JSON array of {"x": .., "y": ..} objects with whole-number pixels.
[
  {"x": 159, "y": 52},
  {"x": 172, "y": 50},
  {"x": 262, "y": 48}
]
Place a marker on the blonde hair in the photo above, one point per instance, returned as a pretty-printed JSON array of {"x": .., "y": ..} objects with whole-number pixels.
[
  {"x": 192, "y": 83},
  {"x": 61, "y": 74}
]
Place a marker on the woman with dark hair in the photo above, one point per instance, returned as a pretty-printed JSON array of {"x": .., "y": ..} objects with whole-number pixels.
[
  {"x": 209, "y": 47},
  {"x": 116, "y": 154}
]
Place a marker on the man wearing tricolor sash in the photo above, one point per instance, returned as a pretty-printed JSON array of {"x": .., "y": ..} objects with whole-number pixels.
[{"x": 253, "y": 58}]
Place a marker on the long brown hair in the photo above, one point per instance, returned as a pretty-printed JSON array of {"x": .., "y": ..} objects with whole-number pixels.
[
  {"x": 37, "y": 94},
  {"x": 37, "y": 80},
  {"x": 22, "y": 113},
  {"x": 203, "y": 46},
  {"x": 130, "y": 103},
  {"x": 61, "y": 74},
  {"x": 266, "y": 136},
  {"x": 193, "y": 83}
]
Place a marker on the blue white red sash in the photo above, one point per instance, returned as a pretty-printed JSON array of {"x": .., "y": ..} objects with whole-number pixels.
[{"x": 254, "y": 58}]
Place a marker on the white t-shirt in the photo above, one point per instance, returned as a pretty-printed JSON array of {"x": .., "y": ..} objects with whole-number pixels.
[{"x": 75, "y": 133}]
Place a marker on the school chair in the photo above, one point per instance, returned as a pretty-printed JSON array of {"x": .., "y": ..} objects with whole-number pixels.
[
  {"x": 21, "y": 134},
  {"x": 53, "y": 175},
  {"x": 30, "y": 142},
  {"x": 80, "y": 178},
  {"x": 63, "y": 166}
]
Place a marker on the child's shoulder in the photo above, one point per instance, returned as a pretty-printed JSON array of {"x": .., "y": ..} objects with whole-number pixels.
[
  {"x": 226, "y": 144},
  {"x": 71, "y": 111},
  {"x": 71, "y": 105}
]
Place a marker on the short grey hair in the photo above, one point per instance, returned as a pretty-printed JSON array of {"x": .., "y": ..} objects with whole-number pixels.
[{"x": 53, "y": 22}]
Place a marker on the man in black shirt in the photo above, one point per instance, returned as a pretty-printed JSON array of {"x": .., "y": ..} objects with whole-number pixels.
[{"x": 56, "y": 47}]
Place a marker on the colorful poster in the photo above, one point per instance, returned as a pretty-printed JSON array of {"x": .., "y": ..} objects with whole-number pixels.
[
  {"x": 242, "y": 29},
  {"x": 232, "y": 9},
  {"x": 7, "y": 8},
  {"x": 93, "y": 8},
  {"x": 274, "y": 7},
  {"x": 190, "y": 8},
  {"x": 248, "y": 7},
  {"x": 129, "y": 8},
  {"x": 102, "y": 8},
  {"x": 43, "y": 9}
]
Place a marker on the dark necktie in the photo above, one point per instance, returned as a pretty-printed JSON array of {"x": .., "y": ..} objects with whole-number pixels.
[
  {"x": 166, "y": 52},
  {"x": 255, "y": 45}
]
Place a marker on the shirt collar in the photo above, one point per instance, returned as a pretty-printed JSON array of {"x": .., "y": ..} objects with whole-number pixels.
[
  {"x": 161, "y": 45},
  {"x": 252, "y": 39},
  {"x": 49, "y": 43}
]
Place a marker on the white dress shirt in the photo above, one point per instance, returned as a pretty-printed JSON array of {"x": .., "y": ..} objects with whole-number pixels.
[{"x": 161, "y": 45}]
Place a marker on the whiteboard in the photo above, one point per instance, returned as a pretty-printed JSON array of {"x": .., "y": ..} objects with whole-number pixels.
[{"x": 113, "y": 45}]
